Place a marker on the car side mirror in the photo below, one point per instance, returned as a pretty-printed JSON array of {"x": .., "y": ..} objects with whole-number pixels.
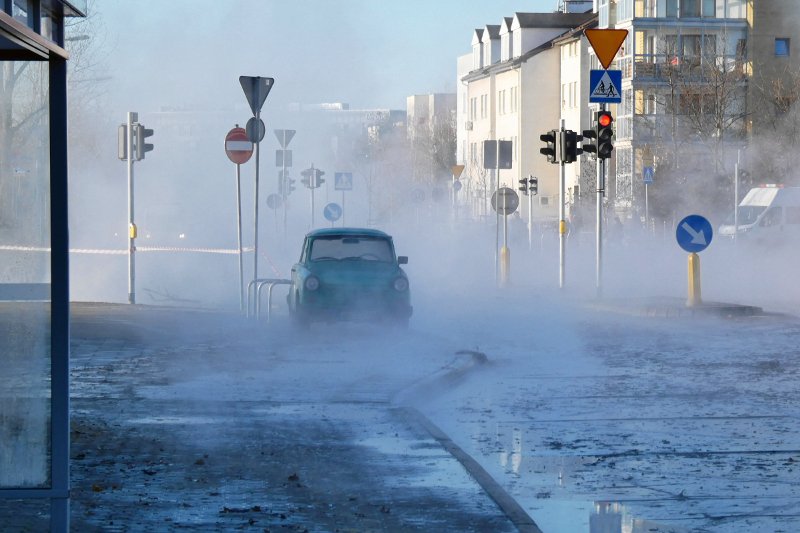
[{"x": 402, "y": 260}]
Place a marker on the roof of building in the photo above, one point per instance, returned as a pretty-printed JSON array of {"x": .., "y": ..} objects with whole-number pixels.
[
  {"x": 550, "y": 20},
  {"x": 493, "y": 30},
  {"x": 477, "y": 36},
  {"x": 589, "y": 20}
]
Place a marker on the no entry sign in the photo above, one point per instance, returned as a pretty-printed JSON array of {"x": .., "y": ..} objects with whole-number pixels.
[{"x": 237, "y": 147}]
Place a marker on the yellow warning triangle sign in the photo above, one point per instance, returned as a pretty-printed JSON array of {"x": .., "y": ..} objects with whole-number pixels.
[{"x": 606, "y": 43}]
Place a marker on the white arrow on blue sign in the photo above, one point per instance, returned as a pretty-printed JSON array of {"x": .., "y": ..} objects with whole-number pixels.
[
  {"x": 332, "y": 212},
  {"x": 694, "y": 233},
  {"x": 605, "y": 86}
]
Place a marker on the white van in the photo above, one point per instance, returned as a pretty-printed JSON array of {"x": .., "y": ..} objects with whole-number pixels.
[{"x": 767, "y": 214}]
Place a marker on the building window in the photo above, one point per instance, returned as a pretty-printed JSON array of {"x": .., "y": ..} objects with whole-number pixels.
[{"x": 782, "y": 47}]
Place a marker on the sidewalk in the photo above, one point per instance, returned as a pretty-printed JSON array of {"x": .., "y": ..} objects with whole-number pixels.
[{"x": 200, "y": 421}]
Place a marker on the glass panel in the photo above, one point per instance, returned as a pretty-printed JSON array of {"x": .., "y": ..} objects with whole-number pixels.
[
  {"x": 781, "y": 47},
  {"x": 24, "y": 275},
  {"x": 672, "y": 8},
  {"x": 690, "y": 8},
  {"x": 360, "y": 248},
  {"x": 21, "y": 10},
  {"x": 710, "y": 8}
]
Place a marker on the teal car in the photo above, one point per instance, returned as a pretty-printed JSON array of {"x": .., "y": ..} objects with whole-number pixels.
[{"x": 349, "y": 273}]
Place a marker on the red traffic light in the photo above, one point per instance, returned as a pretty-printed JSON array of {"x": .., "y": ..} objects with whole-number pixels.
[{"x": 604, "y": 119}]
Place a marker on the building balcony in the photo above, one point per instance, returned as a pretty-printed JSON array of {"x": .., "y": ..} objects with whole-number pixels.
[
  {"x": 665, "y": 68},
  {"x": 660, "y": 128}
]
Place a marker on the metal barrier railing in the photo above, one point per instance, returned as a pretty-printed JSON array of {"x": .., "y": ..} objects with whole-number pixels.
[{"x": 254, "y": 289}]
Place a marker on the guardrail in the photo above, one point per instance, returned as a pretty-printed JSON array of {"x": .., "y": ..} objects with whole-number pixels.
[{"x": 254, "y": 289}]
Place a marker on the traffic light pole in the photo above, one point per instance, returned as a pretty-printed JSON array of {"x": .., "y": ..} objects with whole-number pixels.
[
  {"x": 562, "y": 223},
  {"x": 239, "y": 232},
  {"x": 286, "y": 186},
  {"x": 132, "y": 118},
  {"x": 601, "y": 185}
]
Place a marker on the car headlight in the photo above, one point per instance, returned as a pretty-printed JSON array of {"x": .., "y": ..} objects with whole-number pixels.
[
  {"x": 400, "y": 284},
  {"x": 312, "y": 283}
]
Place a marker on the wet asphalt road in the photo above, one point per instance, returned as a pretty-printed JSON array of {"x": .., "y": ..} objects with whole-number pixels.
[{"x": 195, "y": 421}]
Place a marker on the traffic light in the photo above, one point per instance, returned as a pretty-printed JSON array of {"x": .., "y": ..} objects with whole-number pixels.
[
  {"x": 570, "y": 148},
  {"x": 550, "y": 149},
  {"x": 533, "y": 186},
  {"x": 140, "y": 145},
  {"x": 589, "y": 144},
  {"x": 318, "y": 181},
  {"x": 605, "y": 134},
  {"x": 306, "y": 181},
  {"x": 289, "y": 186},
  {"x": 523, "y": 186}
]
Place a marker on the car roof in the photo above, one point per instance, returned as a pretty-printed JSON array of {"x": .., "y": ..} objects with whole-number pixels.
[{"x": 348, "y": 232}]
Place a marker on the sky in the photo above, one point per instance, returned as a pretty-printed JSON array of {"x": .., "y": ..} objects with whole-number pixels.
[{"x": 368, "y": 53}]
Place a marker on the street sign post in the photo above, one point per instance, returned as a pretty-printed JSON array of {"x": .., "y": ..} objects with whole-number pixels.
[
  {"x": 505, "y": 201},
  {"x": 284, "y": 138},
  {"x": 239, "y": 149},
  {"x": 606, "y": 43},
  {"x": 256, "y": 89},
  {"x": 343, "y": 181},
  {"x": 694, "y": 234},
  {"x": 332, "y": 212},
  {"x": 605, "y": 86}
]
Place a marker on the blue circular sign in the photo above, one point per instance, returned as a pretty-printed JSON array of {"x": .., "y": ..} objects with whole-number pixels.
[
  {"x": 694, "y": 233},
  {"x": 332, "y": 212}
]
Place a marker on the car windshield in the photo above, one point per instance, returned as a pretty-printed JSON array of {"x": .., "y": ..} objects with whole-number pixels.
[
  {"x": 747, "y": 215},
  {"x": 350, "y": 247}
]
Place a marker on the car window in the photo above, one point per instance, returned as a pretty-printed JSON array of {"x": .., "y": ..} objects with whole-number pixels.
[
  {"x": 748, "y": 214},
  {"x": 772, "y": 217},
  {"x": 346, "y": 247}
]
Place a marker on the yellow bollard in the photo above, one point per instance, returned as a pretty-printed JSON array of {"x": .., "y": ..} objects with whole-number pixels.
[
  {"x": 694, "y": 281},
  {"x": 505, "y": 266}
]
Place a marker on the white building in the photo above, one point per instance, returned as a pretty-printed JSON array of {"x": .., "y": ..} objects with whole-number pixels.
[{"x": 511, "y": 92}]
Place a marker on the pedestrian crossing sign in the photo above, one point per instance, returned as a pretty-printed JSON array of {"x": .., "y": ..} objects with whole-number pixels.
[{"x": 605, "y": 86}]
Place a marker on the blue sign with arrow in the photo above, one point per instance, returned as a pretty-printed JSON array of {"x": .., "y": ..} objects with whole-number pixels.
[
  {"x": 332, "y": 212},
  {"x": 694, "y": 233}
]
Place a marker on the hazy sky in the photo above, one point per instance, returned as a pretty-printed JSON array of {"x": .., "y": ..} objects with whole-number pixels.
[{"x": 368, "y": 53}]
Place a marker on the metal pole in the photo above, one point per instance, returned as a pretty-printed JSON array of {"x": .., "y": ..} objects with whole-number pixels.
[
  {"x": 601, "y": 186},
  {"x": 132, "y": 118},
  {"x": 343, "y": 209},
  {"x": 312, "y": 179},
  {"x": 255, "y": 201},
  {"x": 736, "y": 197},
  {"x": 562, "y": 224},
  {"x": 601, "y": 179},
  {"x": 239, "y": 232},
  {"x": 530, "y": 217},
  {"x": 285, "y": 186},
  {"x": 646, "y": 208}
]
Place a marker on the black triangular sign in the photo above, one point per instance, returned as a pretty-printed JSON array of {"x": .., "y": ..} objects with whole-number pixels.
[{"x": 256, "y": 90}]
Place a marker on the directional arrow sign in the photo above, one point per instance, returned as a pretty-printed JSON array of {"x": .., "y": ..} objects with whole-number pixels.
[
  {"x": 256, "y": 90},
  {"x": 606, "y": 43},
  {"x": 694, "y": 233}
]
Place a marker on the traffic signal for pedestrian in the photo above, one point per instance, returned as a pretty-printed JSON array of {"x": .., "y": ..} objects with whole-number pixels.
[
  {"x": 605, "y": 134},
  {"x": 523, "y": 186},
  {"x": 550, "y": 145},
  {"x": 533, "y": 186},
  {"x": 570, "y": 148},
  {"x": 140, "y": 145}
]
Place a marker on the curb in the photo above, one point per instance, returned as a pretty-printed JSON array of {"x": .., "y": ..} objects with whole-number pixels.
[{"x": 507, "y": 504}]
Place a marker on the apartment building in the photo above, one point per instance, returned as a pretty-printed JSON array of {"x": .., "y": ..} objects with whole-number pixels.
[
  {"x": 511, "y": 90},
  {"x": 684, "y": 93}
]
